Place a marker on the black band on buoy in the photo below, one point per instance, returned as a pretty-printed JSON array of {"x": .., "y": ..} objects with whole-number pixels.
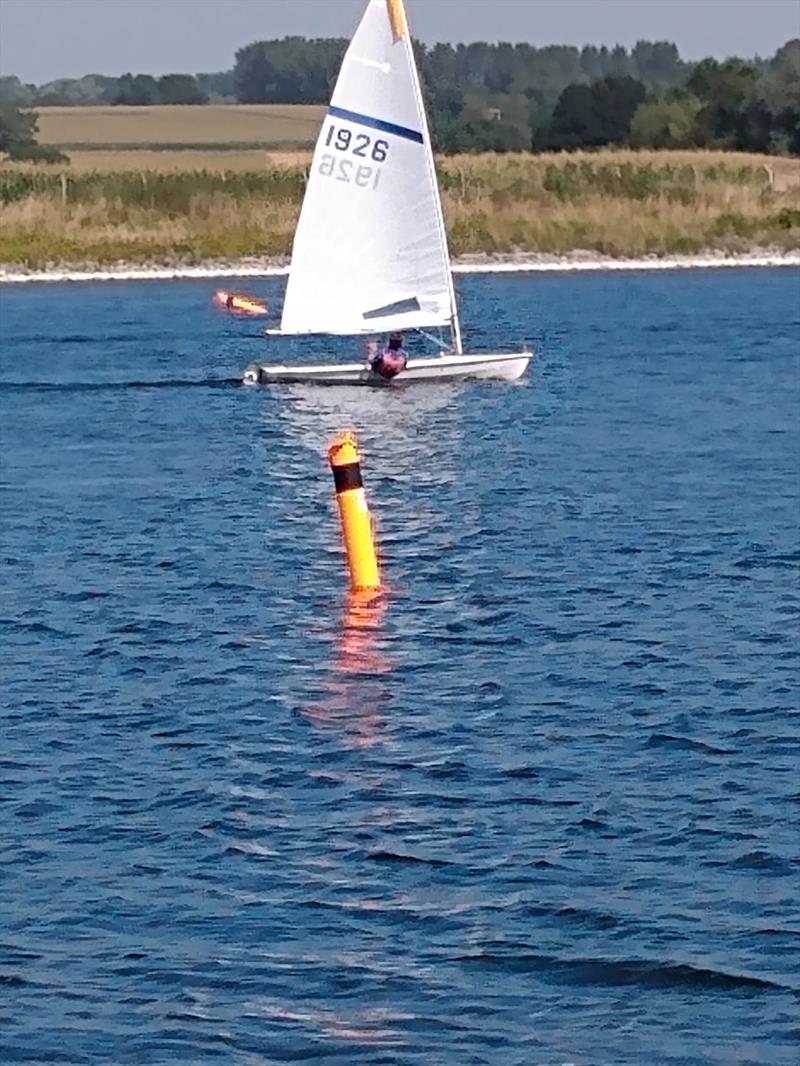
[{"x": 347, "y": 477}]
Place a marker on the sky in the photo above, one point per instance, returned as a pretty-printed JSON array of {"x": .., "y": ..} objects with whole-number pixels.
[{"x": 41, "y": 40}]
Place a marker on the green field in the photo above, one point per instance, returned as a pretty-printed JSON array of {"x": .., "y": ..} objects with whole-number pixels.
[
  {"x": 208, "y": 127},
  {"x": 189, "y": 207}
]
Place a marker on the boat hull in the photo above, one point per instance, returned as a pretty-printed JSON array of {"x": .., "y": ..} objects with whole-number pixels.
[{"x": 443, "y": 368}]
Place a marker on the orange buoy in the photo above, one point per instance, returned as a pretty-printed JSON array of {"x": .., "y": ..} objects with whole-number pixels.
[
  {"x": 357, "y": 532},
  {"x": 247, "y": 305}
]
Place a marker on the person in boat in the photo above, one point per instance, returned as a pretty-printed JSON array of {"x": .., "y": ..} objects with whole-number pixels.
[{"x": 389, "y": 361}]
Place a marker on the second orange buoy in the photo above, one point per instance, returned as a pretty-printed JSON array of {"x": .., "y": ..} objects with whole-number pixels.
[{"x": 247, "y": 305}]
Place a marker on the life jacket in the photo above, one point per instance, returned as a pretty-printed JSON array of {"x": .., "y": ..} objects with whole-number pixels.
[{"x": 389, "y": 363}]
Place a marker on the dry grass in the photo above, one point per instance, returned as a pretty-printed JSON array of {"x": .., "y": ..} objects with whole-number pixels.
[
  {"x": 103, "y": 232},
  {"x": 614, "y": 227},
  {"x": 209, "y": 124},
  {"x": 619, "y": 203},
  {"x": 490, "y": 162}
]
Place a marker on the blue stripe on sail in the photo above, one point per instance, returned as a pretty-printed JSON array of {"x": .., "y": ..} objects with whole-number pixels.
[{"x": 376, "y": 124}]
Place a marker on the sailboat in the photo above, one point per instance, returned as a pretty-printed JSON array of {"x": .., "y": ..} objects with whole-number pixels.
[{"x": 370, "y": 250}]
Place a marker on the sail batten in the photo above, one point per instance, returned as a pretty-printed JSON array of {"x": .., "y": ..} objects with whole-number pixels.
[{"x": 371, "y": 233}]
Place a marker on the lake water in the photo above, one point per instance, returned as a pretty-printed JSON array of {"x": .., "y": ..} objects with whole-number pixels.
[{"x": 538, "y": 805}]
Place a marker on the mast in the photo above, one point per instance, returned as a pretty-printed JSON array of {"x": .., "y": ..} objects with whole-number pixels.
[{"x": 397, "y": 17}]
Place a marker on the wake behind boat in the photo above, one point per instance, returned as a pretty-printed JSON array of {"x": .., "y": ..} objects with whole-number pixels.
[{"x": 370, "y": 250}]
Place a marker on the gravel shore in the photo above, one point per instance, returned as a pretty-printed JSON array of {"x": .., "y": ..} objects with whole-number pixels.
[{"x": 518, "y": 262}]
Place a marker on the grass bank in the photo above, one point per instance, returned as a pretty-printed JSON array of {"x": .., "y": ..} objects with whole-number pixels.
[{"x": 228, "y": 206}]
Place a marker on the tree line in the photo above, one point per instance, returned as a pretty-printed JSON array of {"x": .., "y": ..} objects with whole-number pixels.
[
  {"x": 137, "y": 90},
  {"x": 504, "y": 97}
]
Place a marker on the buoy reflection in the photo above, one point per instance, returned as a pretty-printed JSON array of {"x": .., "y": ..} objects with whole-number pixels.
[
  {"x": 358, "y": 685},
  {"x": 361, "y": 623}
]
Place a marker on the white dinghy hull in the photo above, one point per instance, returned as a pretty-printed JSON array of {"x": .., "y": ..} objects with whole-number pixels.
[{"x": 443, "y": 368}]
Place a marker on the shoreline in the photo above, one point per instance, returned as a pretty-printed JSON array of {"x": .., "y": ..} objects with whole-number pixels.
[{"x": 476, "y": 263}]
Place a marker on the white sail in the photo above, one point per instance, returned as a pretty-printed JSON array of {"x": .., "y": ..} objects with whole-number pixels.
[{"x": 370, "y": 251}]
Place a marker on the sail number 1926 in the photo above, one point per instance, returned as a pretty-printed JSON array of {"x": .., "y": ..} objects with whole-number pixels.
[
  {"x": 346, "y": 143},
  {"x": 360, "y": 144}
]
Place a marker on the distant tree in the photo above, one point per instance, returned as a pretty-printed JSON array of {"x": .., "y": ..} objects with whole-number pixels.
[
  {"x": 137, "y": 90},
  {"x": 755, "y": 127},
  {"x": 657, "y": 64},
  {"x": 556, "y": 65},
  {"x": 620, "y": 64},
  {"x": 289, "y": 71},
  {"x": 725, "y": 84},
  {"x": 592, "y": 63},
  {"x": 616, "y": 101},
  {"x": 441, "y": 74},
  {"x": 781, "y": 89},
  {"x": 219, "y": 87},
  {"x": 723, "y": 89},
  {"x": 110, "y": 90},
  {"x": 786, "y": 61},
  {"x": 594, "y": 115},
  {"x": 493, "y": 124},
  {"x": 503, "y": 69},
  {"x": 664, "y": 123},
  {"x": 12, "y": 91},
  {"x": 574, "y": 122},
  {"x": 180, "y": 89},
  {"x": 18, "y": 131},
  {"x": 768, "y": 118},
  {"x": 547, "y": 71},
  {"x": 785, "y": 137},
  {"x": 252, "y": 74},
  {"x": 89, "y": 90}
]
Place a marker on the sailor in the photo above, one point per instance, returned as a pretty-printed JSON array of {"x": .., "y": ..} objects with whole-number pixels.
[{"x": 391, "y": 360}]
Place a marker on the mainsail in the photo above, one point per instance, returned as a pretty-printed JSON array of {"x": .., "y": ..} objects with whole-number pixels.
[{"x": 370, "y": 251}]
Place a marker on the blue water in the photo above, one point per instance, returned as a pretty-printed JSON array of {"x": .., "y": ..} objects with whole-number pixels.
[{"x": 539, "y": 805}]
